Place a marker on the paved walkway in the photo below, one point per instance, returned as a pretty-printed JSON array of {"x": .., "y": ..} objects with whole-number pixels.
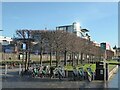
[{"x": 13, "y": 80}]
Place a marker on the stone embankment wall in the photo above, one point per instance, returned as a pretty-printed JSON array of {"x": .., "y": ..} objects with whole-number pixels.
[{"x": 112, "y": 72}]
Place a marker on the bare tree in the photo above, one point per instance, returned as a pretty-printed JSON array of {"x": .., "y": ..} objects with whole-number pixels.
[
  {"x": 40, "y": 37},
  {"x": 25, "y": 37},
  {"x": 50, "y": 40},
  {"x": 61, "y": 43}
]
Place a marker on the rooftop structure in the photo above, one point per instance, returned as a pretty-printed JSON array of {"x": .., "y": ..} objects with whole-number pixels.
[{"x": 74, "y": 28}]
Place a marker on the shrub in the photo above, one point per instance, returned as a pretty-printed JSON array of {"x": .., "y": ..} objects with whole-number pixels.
[{"x": 10, "y": 62}]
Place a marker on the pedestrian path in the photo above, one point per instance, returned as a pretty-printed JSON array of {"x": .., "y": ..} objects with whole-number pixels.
[{"x": 14, "y": 80}]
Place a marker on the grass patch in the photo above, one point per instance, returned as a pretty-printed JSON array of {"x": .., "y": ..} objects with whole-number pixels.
[
  {"x": 70, "y": 68},
  {"x": 112, "y": 61},
  {"x": 111, "y": 67}
]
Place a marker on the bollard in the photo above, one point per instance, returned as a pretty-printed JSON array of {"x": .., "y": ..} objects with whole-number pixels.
[
  {"x": 5, "y": 70},
  {"x": 19, "y": 69}
]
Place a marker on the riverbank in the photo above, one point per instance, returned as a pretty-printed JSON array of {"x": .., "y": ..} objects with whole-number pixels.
[{"x": 111, "y": 72}]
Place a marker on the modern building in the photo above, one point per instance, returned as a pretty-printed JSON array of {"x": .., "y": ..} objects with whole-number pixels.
[
  {"x": 6, "y": 44},
  {"x": 96, "y": 43},
  {"x": 74, "y": 28},
  {"x": 5, "y": 40}
]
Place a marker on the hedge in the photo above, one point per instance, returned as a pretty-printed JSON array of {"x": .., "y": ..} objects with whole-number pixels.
[{"x": 9, "y": 62}]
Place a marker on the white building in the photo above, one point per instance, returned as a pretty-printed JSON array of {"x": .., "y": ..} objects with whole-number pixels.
[
  {"x": 74, "y": 28},
  {"x": 96, "y": 43},
  {"x": 5, "y": 40}
]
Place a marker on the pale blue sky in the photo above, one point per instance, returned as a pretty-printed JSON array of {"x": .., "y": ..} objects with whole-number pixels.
[{"x": 100, "y": 18}]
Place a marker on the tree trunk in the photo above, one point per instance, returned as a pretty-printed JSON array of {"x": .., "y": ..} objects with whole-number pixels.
[
  {"x": 65, "y": 58},
  {"x": 28, "y": 54},
  {"x": 26, "y": 61},
  {"x": 26, "y": 57},
  {"x": 77, "y": 58},
  {"x": 57, "y": 59},
  {"x": 88, "y": 58},
  {"x": 81, "y": 58},
  {"x": 41, "y": 58},
  {"x": 50, "y": 58},
  {"x": 72, "y": 59},
  {"x": 23, "y": 61},
  {"x": 41, "y": 53}
]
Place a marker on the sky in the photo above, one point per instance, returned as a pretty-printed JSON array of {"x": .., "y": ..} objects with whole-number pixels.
[{"x": 100, "y": 18}]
